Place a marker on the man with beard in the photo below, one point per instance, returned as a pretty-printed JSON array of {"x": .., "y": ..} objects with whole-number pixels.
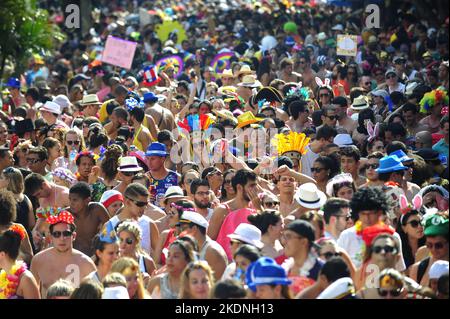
[
  {"x": 202, "y": 197},
  {"x": 61, "y": 261},
  {"x": 230, "y": 214},
  {"x": 89, "y": 216}
]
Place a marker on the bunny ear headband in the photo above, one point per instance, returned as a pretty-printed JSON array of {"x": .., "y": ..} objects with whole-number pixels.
[
  {"x": 320, "y": 83},
  {"x": 372, "y": 130},
  {"x": 405, "y": 207}
]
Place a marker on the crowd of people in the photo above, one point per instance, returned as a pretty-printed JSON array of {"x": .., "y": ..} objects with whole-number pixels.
[{"x": 283, "y": 171}]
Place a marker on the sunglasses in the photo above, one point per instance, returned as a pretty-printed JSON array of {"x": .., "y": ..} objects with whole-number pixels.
[
  {"x": 414, "y": 223},
  {"x": 347, "y": 217},
  {"x": 302, "y": 62},
  {"x": 138, "y": 203},
  {"x": 317, "y": 169},
  {"x": 324, "y": 95},
  {"x": 271, "y": 204},
  {"x": 33, "y": 160},
  {"x": 372, "y": 166},
  {"x": 333, "y": 117},
  {"x": 393, "y": 293},
  {"x": 227, "y": 181},
  {"x": 128, "y": 174},
  {"x": 385, "y": 249},
  {"x": 73, "y": 142},
  {"x": 439, "y": 245},
  {"x": 366, "y": 83},
  {"x": 235, "y": 241},
  {"x": 329, "y": 255},
  {"x": 392, "y": 76},
  {"x": 128, "y": 241},
  {"x": 66, "y": 233}
]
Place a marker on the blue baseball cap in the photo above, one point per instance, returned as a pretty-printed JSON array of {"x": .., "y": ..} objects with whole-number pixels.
[
  {"x": 150, "y": 97},
  {"x": 156, "y": 149},
  {"x": 390, "y": 164},
  {"x": 13, "y": 83},
  {"x": 265, "y": 271},
  {"x": 402, "y": 156}
]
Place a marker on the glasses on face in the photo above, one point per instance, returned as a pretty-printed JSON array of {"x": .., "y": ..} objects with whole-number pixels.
[
  {"x": 76, "y": 143},
  {"x": 385, "y": 249},
  {"x": 302, "y": 61},
  {"x": 65, "y": 234},
  {"x": 414, "y": 223},
  {"x": 333, "y": 117},
  {"x": 393, "y": 293},
  {"x": 317, "y": 169},
  {"x": 271, "y": 204},
  {"x": 227, "y": 181},
  {"x": 347, "y": 217},
  {"x": 128, "y": 241},
  {"x": 329, "y": 255},
  {"x": 372, "y": 166},
  {"x": 436, "y": 246},
  {"x": 33, "y": 160},
  {"x": 138, "y": 203},
  {"x": 324, "y": 95},
  {"x": 367, "y": 83},
  {"x": 391, "y": 76}
]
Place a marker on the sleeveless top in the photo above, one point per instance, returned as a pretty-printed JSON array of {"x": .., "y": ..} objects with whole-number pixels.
[
  {"x": 161, "y": 185},
  {"x": 423, "y": 265},
  {"x": 166, "y": 293},
  {"x": 142, "y": 266},
  {"x": 22, "y": 213},
  {"x": 307, "y": 277},
  {"x": 231, "y": 221},
  {"x": 144, "y": 224},
  {"x": 136, "y": 142}
]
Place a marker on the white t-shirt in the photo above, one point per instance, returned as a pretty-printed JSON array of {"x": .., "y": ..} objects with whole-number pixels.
[
  {"x": 308, "y": 161},
  {"x": 352, "y": 244}
]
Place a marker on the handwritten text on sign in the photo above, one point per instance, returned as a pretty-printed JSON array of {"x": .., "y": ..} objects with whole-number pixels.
[{"x": 119, "y": 52}]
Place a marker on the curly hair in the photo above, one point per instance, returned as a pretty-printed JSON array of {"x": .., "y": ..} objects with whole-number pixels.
[
  {"x": 110, "y": 163},
  {"x": 367, "y": 198}
]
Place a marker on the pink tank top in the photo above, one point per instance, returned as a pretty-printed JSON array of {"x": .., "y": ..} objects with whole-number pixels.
[{"x": 231, "y": 221}]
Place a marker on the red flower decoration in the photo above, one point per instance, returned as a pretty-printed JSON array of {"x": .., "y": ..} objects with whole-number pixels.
[
  {"x": 63, "y": 217},
  {"x": 391, "y": 183},
  {"x": 369, "y": 233},
  {"x": 18, "y": 229}
]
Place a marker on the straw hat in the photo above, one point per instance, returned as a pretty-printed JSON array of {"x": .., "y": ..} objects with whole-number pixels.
[
  {"x": 249, "y": 81},
  {"x": 227, "y": 73},
  {"x": 226, "y": 115},
  {"x": 360, "y": 103},
  {"x": 245, "y": 70},
  {"x": 90, "y": 99}
]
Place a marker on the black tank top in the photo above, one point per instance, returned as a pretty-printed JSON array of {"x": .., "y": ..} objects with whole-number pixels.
[{"x": 22, "y": 213}]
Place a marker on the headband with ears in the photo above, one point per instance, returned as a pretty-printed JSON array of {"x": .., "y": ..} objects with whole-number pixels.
[
  {"x": 372, "y": 130},
  {"x": 406, "y": 208},
  {"x": 322, "y": 84}
]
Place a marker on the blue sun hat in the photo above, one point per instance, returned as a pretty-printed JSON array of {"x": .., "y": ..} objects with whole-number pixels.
[
  {"x": 390, "y": 164},
  {"x": 265, "y": 271},
  {"x": 156, "y": 149},
  {"x": 402, "y": 156}
]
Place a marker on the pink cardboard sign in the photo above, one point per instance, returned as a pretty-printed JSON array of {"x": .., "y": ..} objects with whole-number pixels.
[{"x": 119, "y": 52}]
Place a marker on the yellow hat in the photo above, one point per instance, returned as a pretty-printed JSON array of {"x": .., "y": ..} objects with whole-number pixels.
[
  {"x": 246, "y": 119},
  {"x": 225, "y": 114},
  {"x": 245, "y": 70}
]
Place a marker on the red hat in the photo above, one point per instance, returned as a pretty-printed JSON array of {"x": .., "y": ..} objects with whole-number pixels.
[
  {"x": 369, "y": 233},
  {"x": 62, "y": 217}
]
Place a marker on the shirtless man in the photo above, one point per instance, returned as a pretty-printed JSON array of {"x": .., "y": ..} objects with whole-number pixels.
[
  {"x": 119, "y": 118},
  {"x": 307, "y": 73},
  {"x": 61, "y": 261},
  {"x": 287, "y": 185},
  {"x": 89, "y": 216},
  {"x": 50, "y": 196},
  {"x": 163, "y": 118},
  {"x": 286, "y": 73}
]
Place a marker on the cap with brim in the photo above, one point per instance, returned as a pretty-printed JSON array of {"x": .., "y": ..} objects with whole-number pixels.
[
  {"x": 189, "y": 217},
  {"x": 390, "y": 164},
  {"x": 382, "y": 93},
  {"x": 439, "y": 268},
  {"x": 249, "y": 234},
  {"x": 302, "y": 228},
  {"x": 390, "y": 71},
  {"x": 343, "y": 140},
  {"x": 436, "y": 225},
  {"x": 341, "y": 288}
]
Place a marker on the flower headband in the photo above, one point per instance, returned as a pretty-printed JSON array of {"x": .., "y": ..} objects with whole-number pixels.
[
  {"x": 405, "y": 207},
  {"x": 18, "y": 229},
  {"x": 88, "y": 154},
  {"x": 63, "y": 217},
  {"x": 299, "y": 90}
]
